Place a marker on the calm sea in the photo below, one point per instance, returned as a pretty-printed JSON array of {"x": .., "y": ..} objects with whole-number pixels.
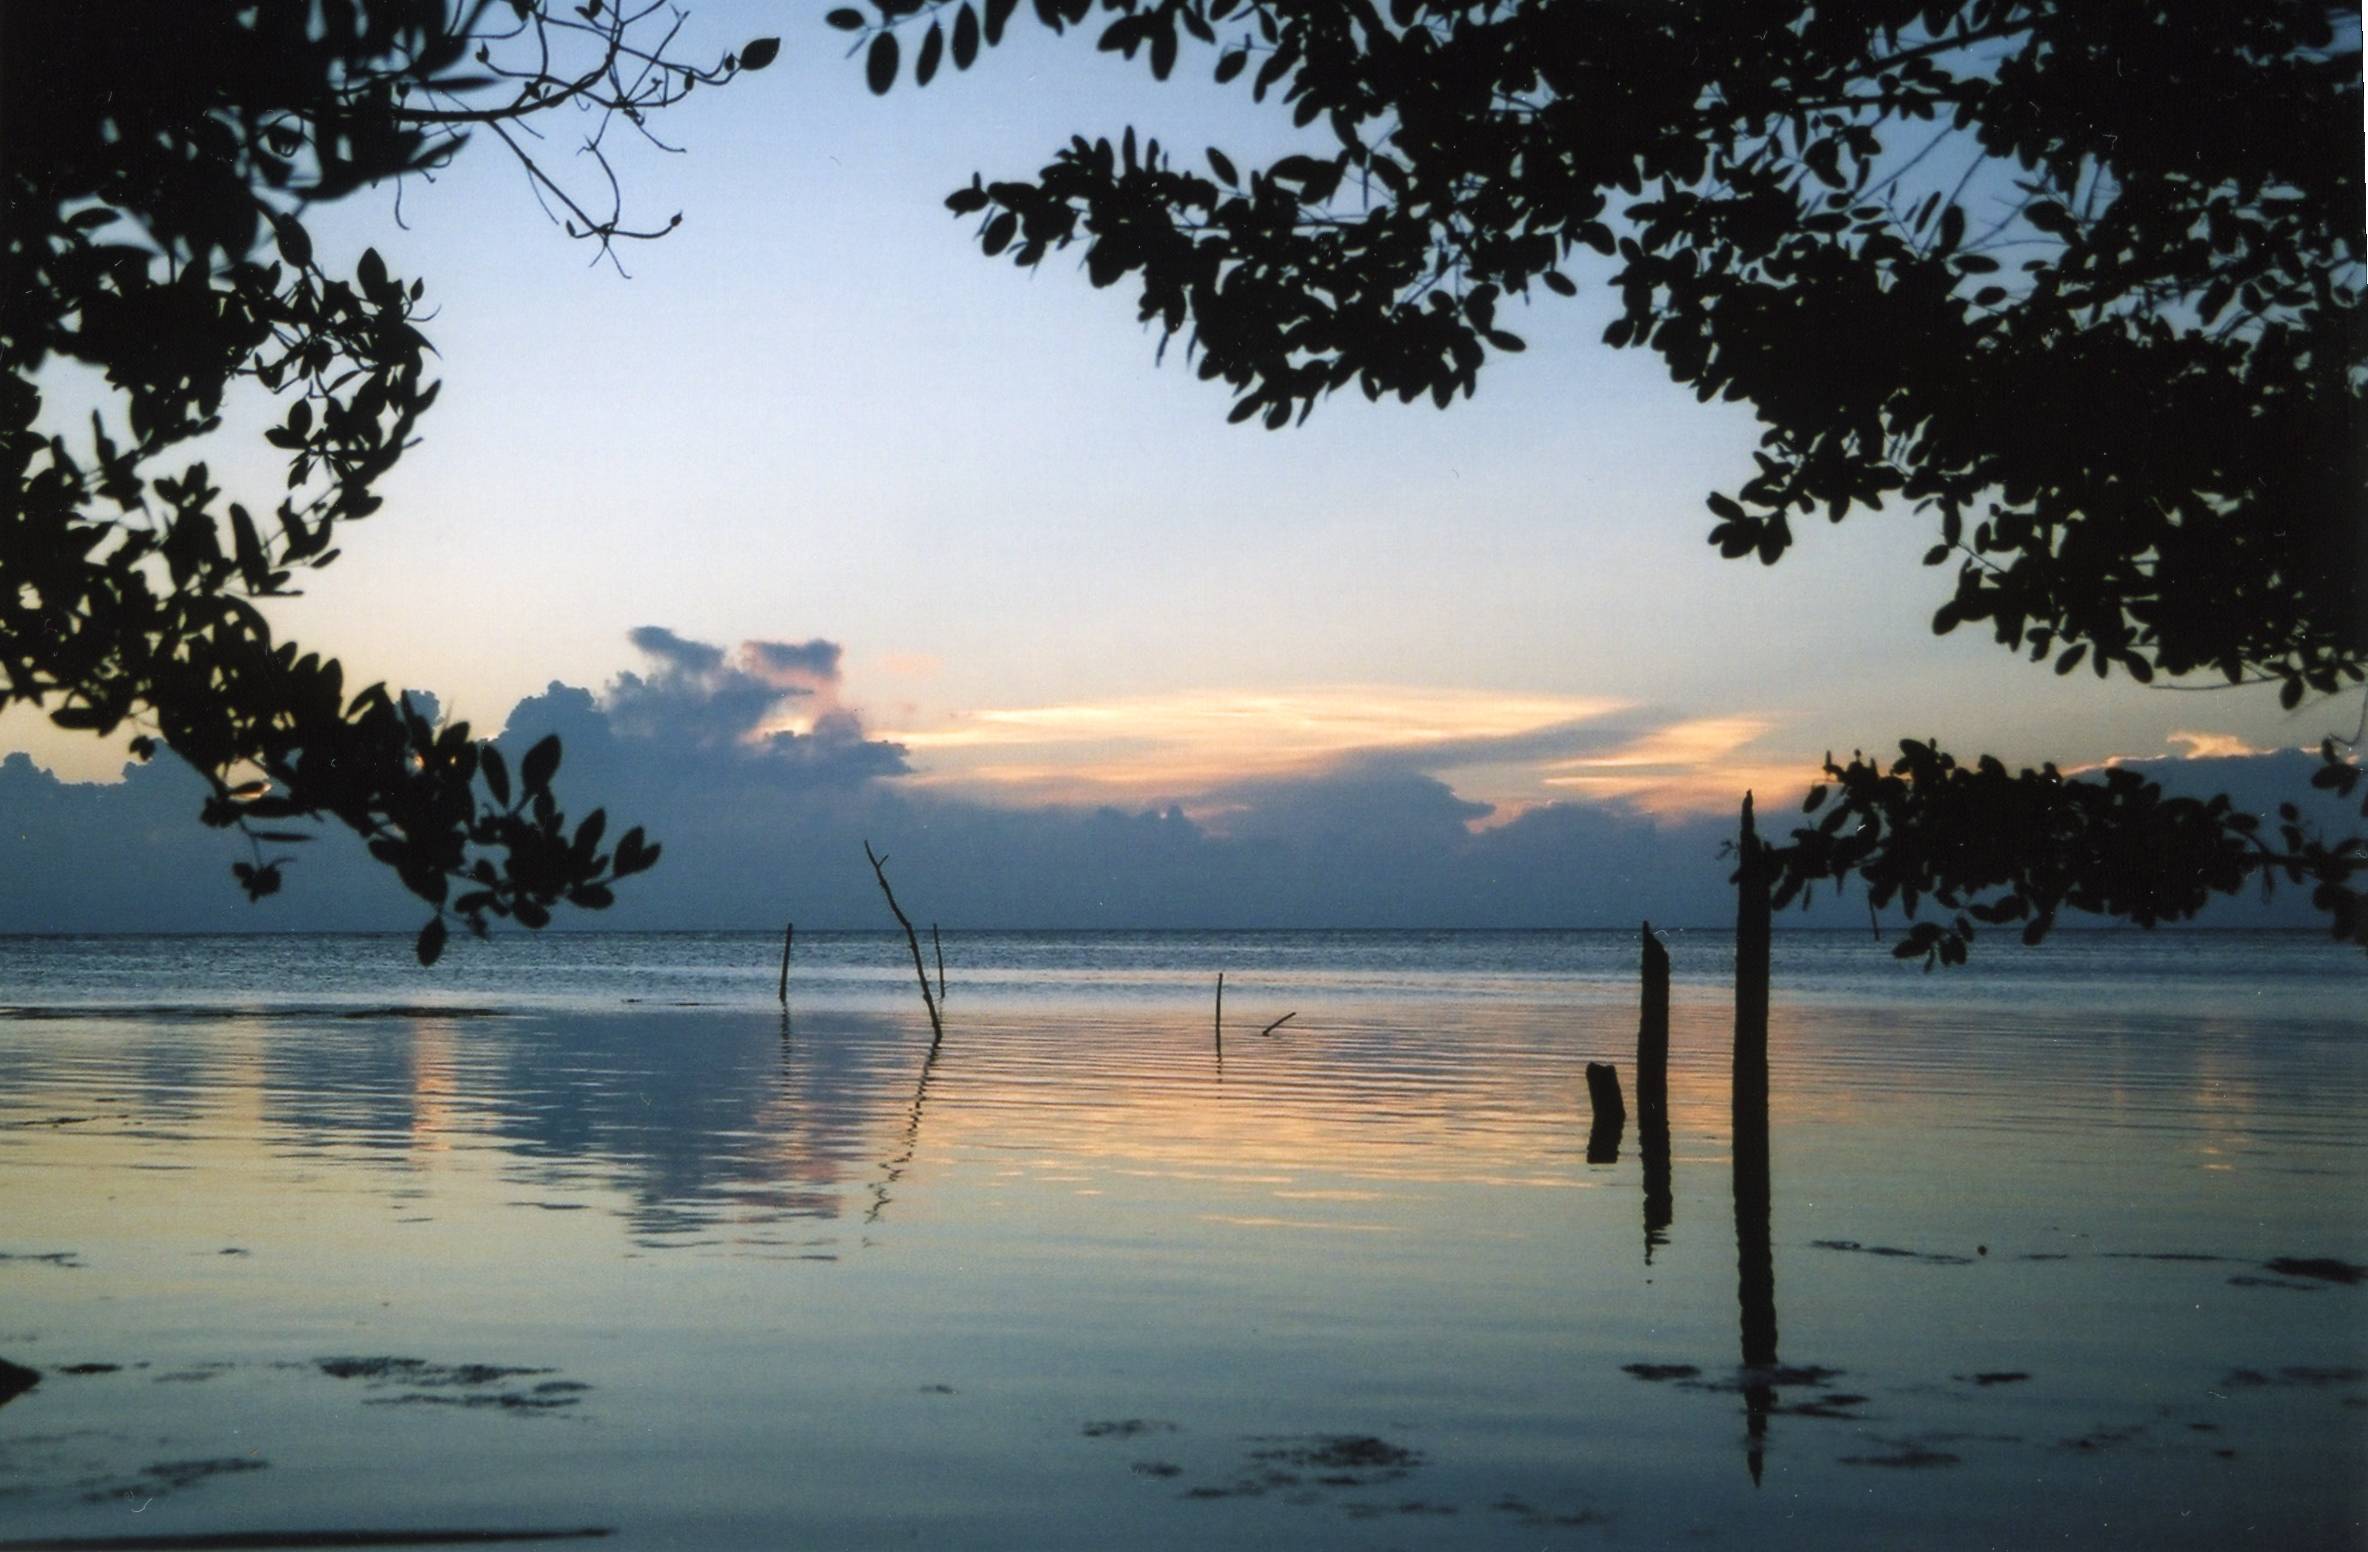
[{"x": 584, "y": 1233}]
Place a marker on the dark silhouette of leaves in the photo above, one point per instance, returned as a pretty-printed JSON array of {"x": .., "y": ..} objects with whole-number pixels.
[
  {"x": 2082, "y": 284},
  {"x": 152, "y": 203}
]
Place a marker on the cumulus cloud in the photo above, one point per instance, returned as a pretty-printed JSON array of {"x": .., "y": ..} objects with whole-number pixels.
[
  {"x": 690, "y": 657},
  {"x": 809, "y": 665},
  {"x": 767, "y": 711}
]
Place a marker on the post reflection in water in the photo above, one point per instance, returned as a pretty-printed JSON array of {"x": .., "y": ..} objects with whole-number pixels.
[
  {"x": 892, "y": 1169},
  {"x": 1659, "y": 1201},
  {"x": 1756, "y": 1279}
]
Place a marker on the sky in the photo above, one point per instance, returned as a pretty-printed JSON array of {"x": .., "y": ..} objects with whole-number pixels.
[{"x": 990, "y": 578}]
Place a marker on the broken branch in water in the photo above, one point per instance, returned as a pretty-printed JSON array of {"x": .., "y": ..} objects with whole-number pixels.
[
  {"x": 787, "y": 938},
  {"x": 1279, "y": 1023},
  {"x": 1220, "y": 1025},
  {"x": 940, "y": 950},
  {"x": 912, "y": 940}
]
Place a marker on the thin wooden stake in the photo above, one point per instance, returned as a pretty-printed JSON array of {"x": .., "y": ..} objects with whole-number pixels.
[
  {"x": 940, "y": 950},
  {"x": 1279, "y": 1023},
  {"x": 787, "y": 938},
  {"x": 912, "y": 940},
  {"x": 1220, "y": 1015}
]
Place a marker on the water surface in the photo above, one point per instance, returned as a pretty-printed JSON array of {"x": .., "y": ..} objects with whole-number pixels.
[{"x": 580, "y": 1235}]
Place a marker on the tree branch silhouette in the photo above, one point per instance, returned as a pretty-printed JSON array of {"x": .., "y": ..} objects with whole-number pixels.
[
  {"x": 152, "y": 230},
  {"x": 2081, "y": 285}
]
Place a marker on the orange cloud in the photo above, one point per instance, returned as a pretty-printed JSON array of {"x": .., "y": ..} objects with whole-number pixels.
[
  {"x": 2205, "y": 746},
  {"x": 1685, "y": 768},
  {"x": 1183, "y": 741}
]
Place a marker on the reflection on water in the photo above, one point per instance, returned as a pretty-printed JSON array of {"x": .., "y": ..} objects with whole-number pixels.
[
  {"x": 1755, "y": 1262},
  {"x": 1059, "y": 1282}
]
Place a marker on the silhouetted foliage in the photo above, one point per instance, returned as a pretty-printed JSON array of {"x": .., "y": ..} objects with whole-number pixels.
[
  {"x": 160, "y": 162},
  {"x": 2081, "y": 282},
  {"x": 1999, "y": 848}
]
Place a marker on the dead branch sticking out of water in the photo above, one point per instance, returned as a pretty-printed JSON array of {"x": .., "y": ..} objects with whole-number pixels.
[
  {"x": 912, "y": 940},
  {"x": 1279, "y": 1023},
  {"x": 788, "y": 936},
  {"x": 1220, "y": 1024},
  {"x": 940, "y": 950}
]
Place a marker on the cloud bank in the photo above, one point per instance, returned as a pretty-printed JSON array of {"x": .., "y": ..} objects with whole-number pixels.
[{"x": 763, "y": 785}]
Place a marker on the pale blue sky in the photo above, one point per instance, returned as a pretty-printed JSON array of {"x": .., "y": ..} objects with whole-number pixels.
[{"x": 816, "y": 411}]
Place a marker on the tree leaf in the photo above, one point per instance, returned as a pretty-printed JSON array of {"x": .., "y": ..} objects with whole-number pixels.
[
  {"x": 295, "y": 244},
  {"x": 496, "y": 772},
  {"x": 879, "y": 65},
  {"x": 540, "y": 764}
]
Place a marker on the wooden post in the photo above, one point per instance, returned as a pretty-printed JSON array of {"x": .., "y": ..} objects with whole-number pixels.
[
  {"x": 1652, "y": 1033},
  {"x": 1755, "y": 1258},
  {"x": 1611, "y": 1113},
  {"x": 787, "y": 938},
  {"x": 1652, "y": 1095},
  {"x": 1220, "y": 1015},
  {"x": 1751, "y": 979},
  {"x": 940, "y": 950},
  {"x": 1603, "y": 1092}
]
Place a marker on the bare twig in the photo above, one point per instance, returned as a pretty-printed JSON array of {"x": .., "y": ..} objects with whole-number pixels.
[
  {"x": 1220, "y": 1028},
  {"x": 1279, "y": 1023},
  {"x": 912, "y": 940},
  {"x": 787, "y": 938},
  {"x": 938, "y": 949}
]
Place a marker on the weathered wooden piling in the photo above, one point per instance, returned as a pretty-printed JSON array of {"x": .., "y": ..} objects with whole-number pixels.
[
  {"x": 788, "y": 936},
  {"x": 1652, "y": 1032},
  {"x": 1751, "y": 979},
  {"x": 1611, "y": 1113},
  {"x": 1220, "y": 1022},
  {"x": 1754, "y": 1233},
  {"x": 1652, "y": 1094},
  {"x": 1603, "y": 1092}
]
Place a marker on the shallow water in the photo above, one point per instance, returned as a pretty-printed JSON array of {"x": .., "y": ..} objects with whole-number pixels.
[{"x": 2060, "y": 1245}]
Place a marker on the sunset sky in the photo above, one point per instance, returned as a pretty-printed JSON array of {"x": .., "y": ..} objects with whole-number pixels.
[{"x": 1053, "y": 574}]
